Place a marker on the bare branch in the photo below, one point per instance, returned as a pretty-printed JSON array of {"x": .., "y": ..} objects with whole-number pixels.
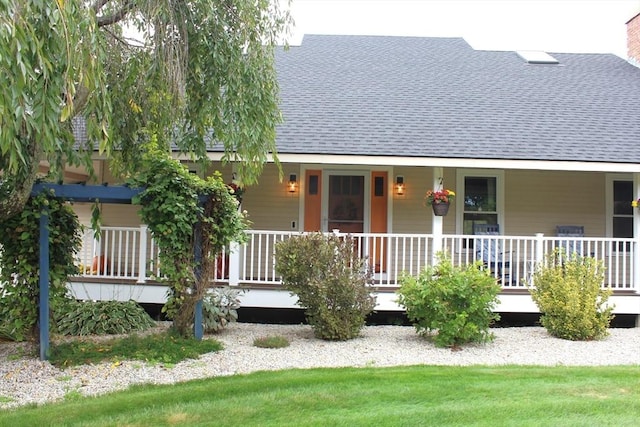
[
  {"x": 117, "y": 16},
  {"x": 98, "y": 5}
]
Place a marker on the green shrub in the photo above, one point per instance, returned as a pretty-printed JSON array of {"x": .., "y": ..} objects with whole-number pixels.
[
  {"x": 20, "y": 261},
  {"x": 6, "y": 331},
  {"x": 167, "y": 348},
  {"x": 330, "y": 280},
  {"x": 454, "y": 302},
  {"x": 569, "y": 294},
  {"x": 219, "y": 308},
  {"x": 102, "y": 318},
  {"x": 274, "y": 341}
]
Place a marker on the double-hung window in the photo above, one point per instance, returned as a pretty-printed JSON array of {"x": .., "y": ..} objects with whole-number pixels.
[
  {"x": 621, "y": 218},
  {"x": 480, "y": 199}
]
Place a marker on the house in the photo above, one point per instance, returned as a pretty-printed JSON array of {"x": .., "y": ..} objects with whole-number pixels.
[{"x": 529, "y": 141}]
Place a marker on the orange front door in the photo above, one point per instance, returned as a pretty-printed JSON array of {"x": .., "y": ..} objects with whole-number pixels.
[{"x": 347, "y": 201}]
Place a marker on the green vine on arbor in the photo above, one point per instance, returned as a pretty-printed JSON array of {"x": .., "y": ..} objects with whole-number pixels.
[
  {"x": 184, "y": 211},
  {"x": 19, "y": 258}
]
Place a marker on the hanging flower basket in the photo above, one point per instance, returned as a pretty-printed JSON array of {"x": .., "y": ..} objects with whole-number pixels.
[
  {"x": 440, "y": 209},
  {"x": 439, "y": 201},
  {"x": 236, "y": 190}
]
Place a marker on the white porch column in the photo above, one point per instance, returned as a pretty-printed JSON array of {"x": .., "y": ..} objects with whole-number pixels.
[
  {"x": 142, "y": 254},
  {"x": 234, "y": 264},
  {"x": 636, "y": 234},
  {"x": 436, "y": 221}
]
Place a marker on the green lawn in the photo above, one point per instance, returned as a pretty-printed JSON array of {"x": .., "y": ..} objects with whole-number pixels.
[{"x": 398, "y": 396}]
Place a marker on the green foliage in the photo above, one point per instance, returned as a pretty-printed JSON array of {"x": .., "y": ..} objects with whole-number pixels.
[
  {"x": 6, "y": 331},
  {"x": 330, "y": 280},
  {"x": 19, "y": 258},
  {"x": 102, "y": 318},
  {"x": 273, "y": 341},
  {"x": 569, "y": 294},
  {"x": 166, "y": 348},
  {"x": 219, "y": 308},
  {"x": 455, "y": 302},
  {"x": 207, "y": 78},
  {"x": 204, "y": 75},
  {"x": 51, "y": 52},
  {"x": 185, "y": 212}
]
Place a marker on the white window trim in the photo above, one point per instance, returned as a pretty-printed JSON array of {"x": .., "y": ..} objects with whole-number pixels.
[{"x": 461, "y": 174}]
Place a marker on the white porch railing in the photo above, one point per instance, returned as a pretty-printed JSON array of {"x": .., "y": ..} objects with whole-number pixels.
[
  {"x": 119, "y": 253},
  {"x": 129, "y": 253}
]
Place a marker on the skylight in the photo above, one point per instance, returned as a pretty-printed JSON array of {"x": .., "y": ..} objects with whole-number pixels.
[{"x": 537, "y": 57}]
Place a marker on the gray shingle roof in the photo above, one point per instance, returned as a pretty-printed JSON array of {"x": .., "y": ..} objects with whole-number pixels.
[{"x": 438, "y": 97}]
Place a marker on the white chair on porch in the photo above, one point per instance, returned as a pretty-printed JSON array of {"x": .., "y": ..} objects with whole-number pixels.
[{"x": 491, "y": 252}]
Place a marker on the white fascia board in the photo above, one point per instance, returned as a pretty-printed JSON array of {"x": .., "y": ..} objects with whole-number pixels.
[{"x": 450, "y": 162}]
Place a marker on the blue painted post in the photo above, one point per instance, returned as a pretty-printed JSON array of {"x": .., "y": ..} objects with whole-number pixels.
[
  {"x": 198, "y": 330},
  {"x": 44, "y": 284}
]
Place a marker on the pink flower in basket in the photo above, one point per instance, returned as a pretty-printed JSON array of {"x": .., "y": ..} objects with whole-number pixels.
[{"x": 440, "y": 196}]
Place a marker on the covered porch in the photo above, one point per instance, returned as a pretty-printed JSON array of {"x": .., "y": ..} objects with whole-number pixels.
[{"x": 122, "y": 264}]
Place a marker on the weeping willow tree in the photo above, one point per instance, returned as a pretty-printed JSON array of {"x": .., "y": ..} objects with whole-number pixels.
[{"x": 190, "y": 73}]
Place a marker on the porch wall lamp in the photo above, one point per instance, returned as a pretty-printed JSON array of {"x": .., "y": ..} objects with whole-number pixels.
[
  {"x": 399, "y": 185},
  {"x": 292, "y": 185}
]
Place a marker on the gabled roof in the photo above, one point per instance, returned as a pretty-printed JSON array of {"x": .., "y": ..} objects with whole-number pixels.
[{"x": 440, "y": 98}]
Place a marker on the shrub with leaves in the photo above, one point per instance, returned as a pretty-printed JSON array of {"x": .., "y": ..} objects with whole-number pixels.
[
  {"x": 184, "y": 211},
  {"x": 454, "y": 303},
  {"x": 20, "y": 256},
  {"x": 568, "y": 291},
  {"x": 330, "y": 280},
  {"x": 103, "y": 318},
  {"x": 219, "y": 308}
]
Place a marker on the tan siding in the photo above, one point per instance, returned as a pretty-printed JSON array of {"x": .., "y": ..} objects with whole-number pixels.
[
  {"x": 269, "y": 204},
  {"x": 120, "y": 215},
  {"x": 537, "y": 201},
  {"x": 83, "y": 210},
  {"x": 410, "y": 215}
]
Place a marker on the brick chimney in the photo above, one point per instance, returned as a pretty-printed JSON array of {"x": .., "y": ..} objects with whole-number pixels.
[{"x": 633, "y": 40}]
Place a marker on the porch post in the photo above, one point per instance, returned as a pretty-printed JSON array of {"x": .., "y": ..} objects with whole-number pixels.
[
  {"x": 436, "y": 221},
  {"x": 234, "y": 264},
  {"x": 43, "y": 285},
  {"x": 142, "y": 254}
]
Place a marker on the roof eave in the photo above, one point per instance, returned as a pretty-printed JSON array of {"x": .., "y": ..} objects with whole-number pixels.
[{"x": 466, "y": 163}]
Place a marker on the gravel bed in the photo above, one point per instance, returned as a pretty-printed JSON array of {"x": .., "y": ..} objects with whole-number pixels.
[{"x": 25, "y": 379}]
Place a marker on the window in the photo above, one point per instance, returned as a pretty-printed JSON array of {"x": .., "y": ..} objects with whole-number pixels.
[
  {"x": 622, "y": 218},
  {"x": 480, "y": 202}
]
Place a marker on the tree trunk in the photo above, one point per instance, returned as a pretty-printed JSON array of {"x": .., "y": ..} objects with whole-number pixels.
[{"x": 16, "y": 188}]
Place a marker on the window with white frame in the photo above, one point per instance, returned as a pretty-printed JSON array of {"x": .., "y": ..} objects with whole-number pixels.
[
  {"x": 622, "y": 215},
  {"x": 480, "y": 202}
]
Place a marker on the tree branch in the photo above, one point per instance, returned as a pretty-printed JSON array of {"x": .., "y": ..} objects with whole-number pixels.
[
  {"x": 98, "y": 5},
  {"x": 117, "y": 16}
]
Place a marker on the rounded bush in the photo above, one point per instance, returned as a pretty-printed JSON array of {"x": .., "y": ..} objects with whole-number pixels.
[
  {"x": 102, "y": 318},
  {"x": 570, "y": 296},
  {"x": 452, "y": 302},
  {"x": 330, "y": 280}
]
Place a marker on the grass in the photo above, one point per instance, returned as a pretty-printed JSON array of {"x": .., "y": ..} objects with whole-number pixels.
[
  {"x": 166, "y": 348},
  {"x": 272, "y": 341},
  {"x": 397, "y": 396}
]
